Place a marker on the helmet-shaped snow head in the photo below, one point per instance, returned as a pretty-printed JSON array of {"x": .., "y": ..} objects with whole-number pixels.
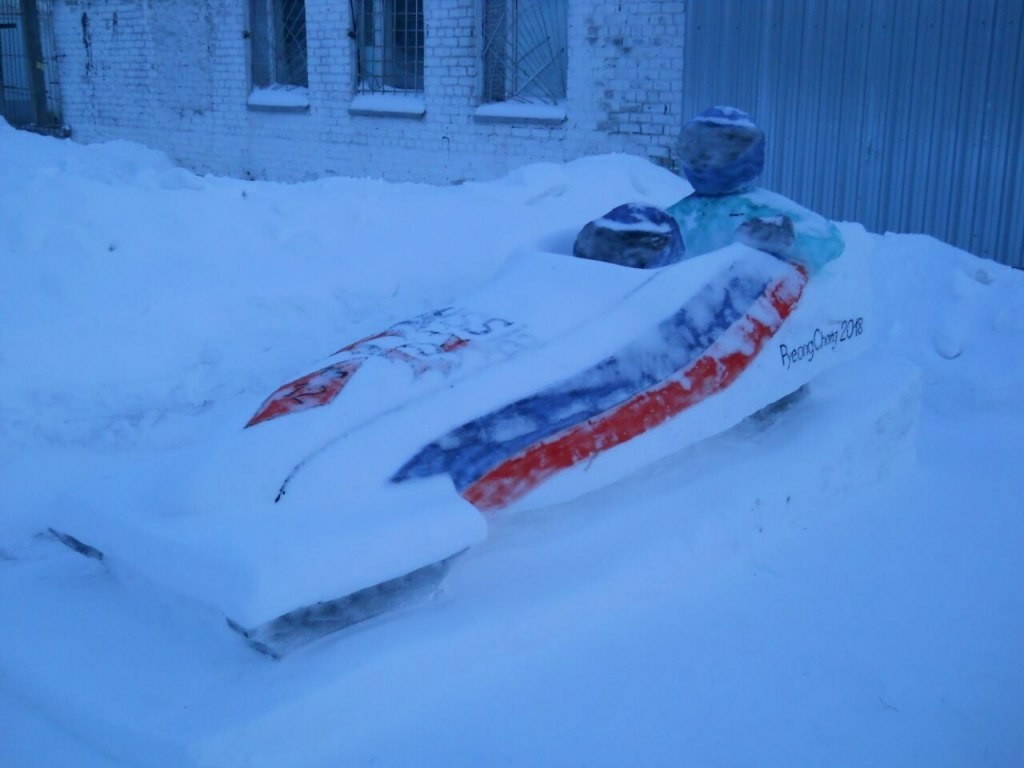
[
  {"x": 633, "y": 235},
  {"x": 722, "y": 151}
]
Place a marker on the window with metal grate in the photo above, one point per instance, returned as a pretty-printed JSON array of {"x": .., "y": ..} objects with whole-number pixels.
[
  {"x": 525, "y": 52},
  {"x": 15, "y": 91},
  {"x": 277, "y": 30},
  {"x": 389, "y": 45},
  {"x": 29, "y": 86}
]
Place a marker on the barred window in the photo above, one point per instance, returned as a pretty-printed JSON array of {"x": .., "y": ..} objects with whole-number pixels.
[
  {"x": 525, "y": 50},
  {"x": 389, "y": 45},
  {"x": 278, "y": 35}
]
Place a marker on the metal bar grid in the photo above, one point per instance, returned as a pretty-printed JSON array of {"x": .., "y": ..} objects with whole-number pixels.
[
  {"x": 28, "y": 87},
  {"x": 525, "y": 50},
  {"x": 277, "y": 30},
  {"x": 290, "y": 50},
  {"x": 390, "y": 45},
  {"x": 15, "y": 86}
]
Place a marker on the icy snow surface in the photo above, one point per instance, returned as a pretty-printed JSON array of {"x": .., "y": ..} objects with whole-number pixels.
[{"x": 835, "y": 583}]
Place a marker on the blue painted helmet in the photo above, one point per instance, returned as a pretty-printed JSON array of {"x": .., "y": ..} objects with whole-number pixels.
[
  {"x": 633, "y": 235},
  {"x": 721, "y": 151}
]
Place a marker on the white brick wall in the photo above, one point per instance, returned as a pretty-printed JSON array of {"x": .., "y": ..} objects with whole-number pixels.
[{"x": 175, "y": 76}]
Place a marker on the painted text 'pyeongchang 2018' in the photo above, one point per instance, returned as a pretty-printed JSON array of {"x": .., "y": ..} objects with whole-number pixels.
[{"x": 821, "y": 340}]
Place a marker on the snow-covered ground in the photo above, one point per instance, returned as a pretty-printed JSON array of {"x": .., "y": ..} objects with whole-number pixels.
[{"x": 838, "y": 584}]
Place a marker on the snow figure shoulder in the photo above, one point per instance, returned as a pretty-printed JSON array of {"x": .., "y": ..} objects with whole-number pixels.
[{"x": 722, "y": 154}]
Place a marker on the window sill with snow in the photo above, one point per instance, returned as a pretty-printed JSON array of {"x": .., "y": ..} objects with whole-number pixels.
[
  {"x": 388, "y": 105},
  {"x": 279, "y": 98},
  {"x": 532, "y": 112}
]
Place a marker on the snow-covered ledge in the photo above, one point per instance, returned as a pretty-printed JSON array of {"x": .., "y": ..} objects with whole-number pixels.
[
  {"x": 388, "y": 105},
  {"x": 279, "y": 98},
  {"x": 536, "y": 112}
]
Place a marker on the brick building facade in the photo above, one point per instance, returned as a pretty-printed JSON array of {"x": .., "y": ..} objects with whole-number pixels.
[{"x": 191, "y": 78}]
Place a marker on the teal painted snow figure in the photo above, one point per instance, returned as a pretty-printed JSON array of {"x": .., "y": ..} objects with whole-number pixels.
[{"x": 722, "y": 154}]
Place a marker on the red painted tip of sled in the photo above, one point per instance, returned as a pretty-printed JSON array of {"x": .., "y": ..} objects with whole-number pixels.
[
  {"x": 710, "y": 373},
  {"x": 310, "y": 391}
]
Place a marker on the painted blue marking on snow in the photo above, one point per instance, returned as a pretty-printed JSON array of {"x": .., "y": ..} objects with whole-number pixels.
[{"x": 473, "y": 449}]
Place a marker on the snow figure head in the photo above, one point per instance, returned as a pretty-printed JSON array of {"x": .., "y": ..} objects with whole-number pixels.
[
  {"x": 722, "y": 151},
  {"x": 633, "y": 235}
]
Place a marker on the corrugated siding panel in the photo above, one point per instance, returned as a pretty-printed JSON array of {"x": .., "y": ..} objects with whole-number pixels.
[{"x": 906, "y": 115}]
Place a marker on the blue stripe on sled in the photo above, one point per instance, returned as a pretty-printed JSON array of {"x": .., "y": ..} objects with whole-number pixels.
[{"x": 471, "y": 450}]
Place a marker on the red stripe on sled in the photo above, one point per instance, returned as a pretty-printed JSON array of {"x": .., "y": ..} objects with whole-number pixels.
[{"x": 710, "y": 373}]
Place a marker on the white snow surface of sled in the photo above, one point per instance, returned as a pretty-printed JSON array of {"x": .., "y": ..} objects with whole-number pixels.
[
  {"x": 835, "y": 583},
  {"x": 341, "y": 526}
]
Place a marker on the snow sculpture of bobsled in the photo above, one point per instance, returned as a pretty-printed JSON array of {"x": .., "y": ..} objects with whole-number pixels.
[{"x": 355, "y": 485}]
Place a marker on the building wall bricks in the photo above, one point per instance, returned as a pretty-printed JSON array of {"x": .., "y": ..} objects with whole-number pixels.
[{"x": 176, "y": 76}]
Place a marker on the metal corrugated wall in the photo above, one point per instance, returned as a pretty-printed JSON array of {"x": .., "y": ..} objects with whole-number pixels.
[{"x": 906, "y": 115}]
